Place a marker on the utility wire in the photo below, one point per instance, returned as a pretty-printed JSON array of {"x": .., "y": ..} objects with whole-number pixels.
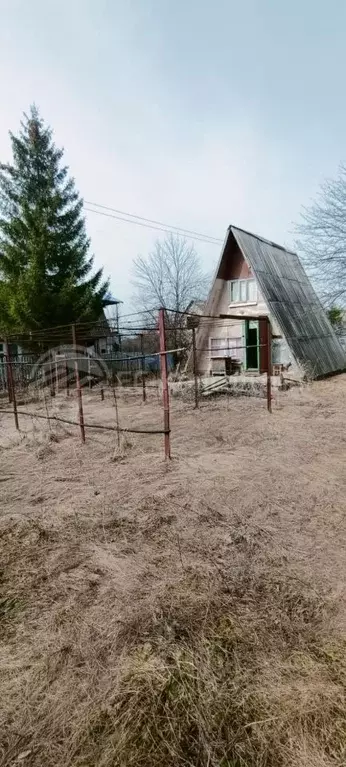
[
  {"x": 152, "y": 224},
  {"x": 83, "y": 326},
  {"x": 153, "y": 221}
]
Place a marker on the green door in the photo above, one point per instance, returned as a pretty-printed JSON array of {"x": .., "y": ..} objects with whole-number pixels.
[{"x": 251, "y": 335}]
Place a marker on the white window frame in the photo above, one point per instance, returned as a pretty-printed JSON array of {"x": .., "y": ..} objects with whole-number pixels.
[{"x": 243, "y": 283}]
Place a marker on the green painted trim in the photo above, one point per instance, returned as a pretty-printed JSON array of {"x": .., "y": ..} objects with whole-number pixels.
[{"x": 252, "y": 369}]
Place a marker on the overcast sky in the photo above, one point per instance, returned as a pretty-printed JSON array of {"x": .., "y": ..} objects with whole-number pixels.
[{"x": 197, "y": 113}]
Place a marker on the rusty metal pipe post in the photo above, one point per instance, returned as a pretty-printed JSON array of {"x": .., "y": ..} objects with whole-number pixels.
[
  {"x": 194, "y": 361},
  {"x": 269, "y": 366},
  {"x": 144, "y": 394},
  {"x": 116, "y": 415},
  {"x": 164, "y": 379},
  {"x": 89, "y": 372},
  {"x": 78, "y": 386},
  {"x": 51, "y": 376},
  {"x": 67, "y": 380},
  {"x": 11, "y": 383},
  {"x": 8, "y": 375}
]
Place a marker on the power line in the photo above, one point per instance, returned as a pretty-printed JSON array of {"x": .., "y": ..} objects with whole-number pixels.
[
  {"x": 82, "y": 327},
  {"x": 153, "y": 221},
  {"x": 152, "y": 224}
]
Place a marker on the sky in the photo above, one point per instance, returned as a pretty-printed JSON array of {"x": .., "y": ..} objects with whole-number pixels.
[{"x": 198, "y": 114}]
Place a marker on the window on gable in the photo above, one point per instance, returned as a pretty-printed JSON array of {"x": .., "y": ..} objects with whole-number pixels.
[
  {"x": 235, "y": 294},
  {"x": 243, "y": 291},
  {"x": 252, "y": 290}
]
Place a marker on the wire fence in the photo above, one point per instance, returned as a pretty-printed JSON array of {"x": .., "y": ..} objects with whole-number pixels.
[{"x": 172, "y": 354}]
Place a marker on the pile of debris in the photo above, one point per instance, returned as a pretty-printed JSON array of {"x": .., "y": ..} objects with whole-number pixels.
[{"x": 234, "y": 387}]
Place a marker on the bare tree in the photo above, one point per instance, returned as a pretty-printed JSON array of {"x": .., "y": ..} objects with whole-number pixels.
[
  {"x": 170, "y": 276},
  {"x": 322, "y": 240}
]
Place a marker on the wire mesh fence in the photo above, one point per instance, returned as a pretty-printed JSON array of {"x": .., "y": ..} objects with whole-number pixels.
[{"x": 177, "y": 356}]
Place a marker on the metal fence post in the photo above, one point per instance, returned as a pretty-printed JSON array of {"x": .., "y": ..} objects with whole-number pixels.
[
  {"x": 56, "y": 376},
  {"x": 11, "y": 383},
  {"x": 269, "y": 366},
  {"x": 67, "y": 380},
  {"x": 7, "y": 376},
  {"x": 194, "y": 359},
  {"x": 89, "y": 371},
  {"x": 78, "y": 385},
  {"x": 116, "y": 414},
  {"x": 164, "y": 379},
  {"x": 51, "y": 377},
  {"x": 143, "y": 364}
]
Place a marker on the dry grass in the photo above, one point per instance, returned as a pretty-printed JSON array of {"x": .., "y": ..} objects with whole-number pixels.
[
  {"x": 122, "y": 447},
  {"x": 186, "y": 616},
  {"x": 242, "y": 672}
]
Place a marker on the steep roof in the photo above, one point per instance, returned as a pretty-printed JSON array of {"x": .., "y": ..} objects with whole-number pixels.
[
  {"x": 293, "y": 302},
  {"x": 110, "y": 300},
  {"x": 197, "y": 305}
]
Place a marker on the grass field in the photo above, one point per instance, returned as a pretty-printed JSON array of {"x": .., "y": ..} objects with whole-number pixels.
[{"x": 184, "y": 614}]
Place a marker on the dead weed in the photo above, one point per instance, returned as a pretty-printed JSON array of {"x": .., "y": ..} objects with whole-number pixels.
[{"x": 212, "y": 675}]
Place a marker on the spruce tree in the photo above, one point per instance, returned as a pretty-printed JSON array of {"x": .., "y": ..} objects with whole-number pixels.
[{"x": 46, "y": 271}]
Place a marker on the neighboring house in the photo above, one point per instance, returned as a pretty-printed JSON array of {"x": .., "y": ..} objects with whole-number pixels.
[
  {"x": 15, "y": 350},
  {"x": 196, "y": 307},
  {"x": 256, "y": 278},
  {"x": 104, "y": 338}
]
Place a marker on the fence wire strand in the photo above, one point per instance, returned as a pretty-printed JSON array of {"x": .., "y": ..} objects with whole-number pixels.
[{"x": 131, "y": 357}]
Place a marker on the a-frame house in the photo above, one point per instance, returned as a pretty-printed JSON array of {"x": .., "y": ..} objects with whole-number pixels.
[{"x": 256, "y": 278}]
